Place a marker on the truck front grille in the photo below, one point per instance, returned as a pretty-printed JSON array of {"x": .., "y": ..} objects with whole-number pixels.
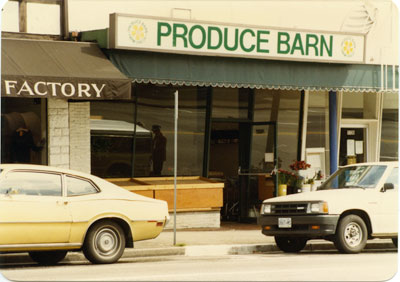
[{"x": 292, "y": 208}]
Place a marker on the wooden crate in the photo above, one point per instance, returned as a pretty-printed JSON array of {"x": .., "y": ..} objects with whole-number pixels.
[{"x": 193, "y": 192}]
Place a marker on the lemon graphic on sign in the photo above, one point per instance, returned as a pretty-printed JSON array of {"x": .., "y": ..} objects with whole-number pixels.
[
  {"x": 348, "y": 47},
  {"x": 137, "y": 31}
]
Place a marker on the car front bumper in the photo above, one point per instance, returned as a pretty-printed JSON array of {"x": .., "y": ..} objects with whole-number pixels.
[{"x": 311, "y": 226}]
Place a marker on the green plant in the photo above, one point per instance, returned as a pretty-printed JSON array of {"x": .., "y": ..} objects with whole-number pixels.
[
  {"x": 283, "y": 176},
  {"x": 309, "y": 181}
]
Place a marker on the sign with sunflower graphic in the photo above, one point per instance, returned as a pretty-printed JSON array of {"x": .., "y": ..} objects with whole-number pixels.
[{"x": 218, "y": 39}]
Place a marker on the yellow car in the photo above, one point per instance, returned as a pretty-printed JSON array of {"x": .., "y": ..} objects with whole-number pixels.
[{"x": 49, "y": 211}]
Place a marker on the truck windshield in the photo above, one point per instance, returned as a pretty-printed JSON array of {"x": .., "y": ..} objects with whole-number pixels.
[{"x": 365, "y": 176}]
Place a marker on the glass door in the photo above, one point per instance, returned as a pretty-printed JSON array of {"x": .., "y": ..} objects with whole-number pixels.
[
  {"x": 257, "y": 159},
  {"x": 353, "y": 145}
]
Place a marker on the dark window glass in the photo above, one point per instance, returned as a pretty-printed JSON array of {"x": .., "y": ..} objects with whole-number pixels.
[
  {"x": 390, "y": 125},
  {"x": 230, "y": 103},
  {"x": 23, "y": 130},
  {"x": 31, "y": 183},
  {"x": 156, "y": 111},
  {"x": 112, "y": 133}
]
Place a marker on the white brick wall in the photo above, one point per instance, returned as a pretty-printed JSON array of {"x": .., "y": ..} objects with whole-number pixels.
[
  {"x": 69, "y": 134},
  {"x": 79, "y": 138},
  {"x": 58, "y": 132},
  {"x": 198, "y": 219}
]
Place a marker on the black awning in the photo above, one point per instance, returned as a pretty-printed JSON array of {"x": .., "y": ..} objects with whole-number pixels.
[{"x": 59, "y": 69}]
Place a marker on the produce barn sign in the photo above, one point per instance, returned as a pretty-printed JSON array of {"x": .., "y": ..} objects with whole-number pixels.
[{"x": 216, "y": 39}]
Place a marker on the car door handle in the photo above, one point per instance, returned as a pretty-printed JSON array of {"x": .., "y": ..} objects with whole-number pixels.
[{"x": 62, "y": 203}]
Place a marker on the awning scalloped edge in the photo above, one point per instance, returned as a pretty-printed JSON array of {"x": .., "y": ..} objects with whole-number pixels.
[{"x": 258, "y": 86}]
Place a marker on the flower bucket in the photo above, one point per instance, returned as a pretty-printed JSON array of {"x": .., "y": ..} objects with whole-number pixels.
[
  {"x": 306, "y": 188},
  {"x": 282, "y": 190}
]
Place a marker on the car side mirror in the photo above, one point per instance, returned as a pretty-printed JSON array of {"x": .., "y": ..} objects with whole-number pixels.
[{"x": 387, "y": 186}]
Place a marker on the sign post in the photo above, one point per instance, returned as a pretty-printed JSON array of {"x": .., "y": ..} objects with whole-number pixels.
[{"x": 175, "y": 158}]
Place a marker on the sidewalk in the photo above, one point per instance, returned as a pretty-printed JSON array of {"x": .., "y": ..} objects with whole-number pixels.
[{"x": 231, "y": 238}]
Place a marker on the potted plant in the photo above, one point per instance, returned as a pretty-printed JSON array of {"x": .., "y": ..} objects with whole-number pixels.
[
  {"x": 283, "y": 178},
  {"x": 318, "y": 178},
  {"x": 308, "y": 183}
]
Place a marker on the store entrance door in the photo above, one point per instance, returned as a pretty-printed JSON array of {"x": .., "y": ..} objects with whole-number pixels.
[
  {"x": 353, "y": 145},
  {"x": 256, "y": 164},
  {"x": 242, "y": 155}
]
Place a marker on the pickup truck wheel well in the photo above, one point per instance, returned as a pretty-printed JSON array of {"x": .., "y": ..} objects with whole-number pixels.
[{"x": 364, "y": 217}]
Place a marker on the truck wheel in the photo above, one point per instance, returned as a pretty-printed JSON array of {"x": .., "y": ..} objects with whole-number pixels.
[
  {"x": 104, "y": 243},
  {"x": 351, "y": 234},
  {"x": 48, "y": 257},
  {"x": 290, "y": 244}
]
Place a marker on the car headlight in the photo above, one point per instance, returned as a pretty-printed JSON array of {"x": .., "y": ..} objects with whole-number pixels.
[
  {"x": 319, "y": 207},
  {"x": 266, "y": 209}
]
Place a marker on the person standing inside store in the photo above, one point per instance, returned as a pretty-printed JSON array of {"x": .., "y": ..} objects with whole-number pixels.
[
  {"x": 159, "y": 154},
  {"x": 21, "y": 145}
]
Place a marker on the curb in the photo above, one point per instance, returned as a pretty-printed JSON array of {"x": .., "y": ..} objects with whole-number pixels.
[{"x": 202, "y": 250}]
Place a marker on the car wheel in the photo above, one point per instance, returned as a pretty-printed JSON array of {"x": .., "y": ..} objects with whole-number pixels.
[
  {"x": 351, "y": 234},
  {"x": 394, "y": 240},
  {"x": 48, "y": 257},
  {"x": 104, "y": 243},
  {"x": 290, "y": 244}
]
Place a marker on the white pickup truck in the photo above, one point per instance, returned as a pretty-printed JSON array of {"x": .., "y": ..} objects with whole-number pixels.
[{"x": 356, "y": 203}]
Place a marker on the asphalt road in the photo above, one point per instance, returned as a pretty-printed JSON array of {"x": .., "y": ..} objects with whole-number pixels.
[{"x": 306, "y": 266}]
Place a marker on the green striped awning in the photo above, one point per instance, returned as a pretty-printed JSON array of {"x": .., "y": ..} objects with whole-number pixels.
[{"x": 189, "y": 70}]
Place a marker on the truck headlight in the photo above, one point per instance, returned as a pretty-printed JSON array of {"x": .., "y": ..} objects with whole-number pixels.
[
  {"x": 265, "y": 209},
  {"x": 319, "y": 207}
]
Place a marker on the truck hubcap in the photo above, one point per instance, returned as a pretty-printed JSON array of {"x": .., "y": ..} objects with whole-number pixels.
[{"x": 353, "y": 234}]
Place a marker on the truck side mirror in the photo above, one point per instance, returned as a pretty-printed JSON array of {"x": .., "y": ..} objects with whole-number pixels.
[{"x": 387, "y": 186}]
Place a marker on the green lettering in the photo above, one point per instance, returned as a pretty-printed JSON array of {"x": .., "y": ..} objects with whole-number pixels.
[
  {"x": 209, "y": 39},
  {"x": 251, "y": 48},
  {"x": 310, "y": 44},
  {"x": 203, "y": 37},
  {"x": 234, "y": 47},
  {"x": 297, "y": 44},
  {"x": 283, "y": 39},
  {"x": 325, "y": 45},
  {"x": 262, "y": 40},
  {"x": 181, "y": 35},
  {"x": 160, "y": 33}
]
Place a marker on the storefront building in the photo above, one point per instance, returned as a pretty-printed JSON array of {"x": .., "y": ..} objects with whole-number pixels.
[
  {"x": 253, "y": 96},
  {"x": 46, "y": 87},
  {"x": 251, "y": 99}
]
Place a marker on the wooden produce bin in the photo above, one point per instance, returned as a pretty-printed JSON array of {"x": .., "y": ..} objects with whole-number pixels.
[
  {"x": 266, "y": 187},
  {"x": 194, "y": 193}
]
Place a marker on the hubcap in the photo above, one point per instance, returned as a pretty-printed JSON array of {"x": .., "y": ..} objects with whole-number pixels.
[
  {"x": 353, "y": 234},
  {"x": 107, "y": 242}
]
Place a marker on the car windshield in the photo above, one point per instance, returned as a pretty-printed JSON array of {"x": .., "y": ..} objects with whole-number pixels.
[{"x": 364, "y": 176}]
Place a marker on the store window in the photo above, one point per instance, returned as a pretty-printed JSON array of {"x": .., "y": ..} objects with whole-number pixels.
[
  {"x": 111, "y": 138},
  {"x": 23, "y": 130},
  {"x": 283, "y": 107},
  {"x": 113, "y": 131},
  {"x": 390, "y": 125},
  {"x": 317, "y": 139},
  {"x": 155, "y": 112},
  {"x": 230, "y": 103}
]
